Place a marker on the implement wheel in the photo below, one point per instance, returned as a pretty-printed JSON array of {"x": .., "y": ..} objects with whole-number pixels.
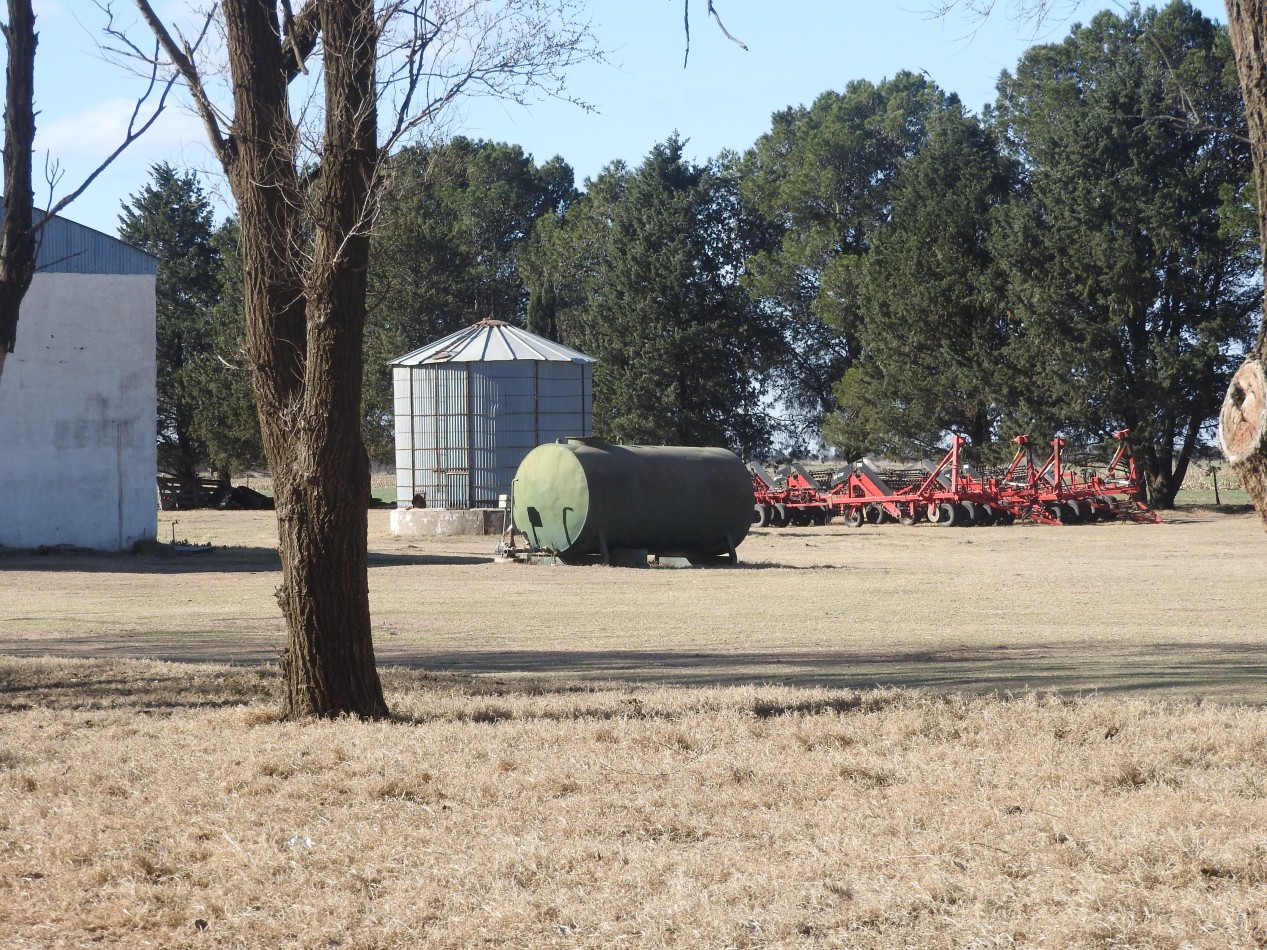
[
  {"x": 1083, "y": 511},
  {"x": 853, "y": 517},
  {"x": 760, "y": 515},
  {"x": 910, "y": 515},
  {"x": 949, "y": 514},
  {"x": 779, "y": 516}
]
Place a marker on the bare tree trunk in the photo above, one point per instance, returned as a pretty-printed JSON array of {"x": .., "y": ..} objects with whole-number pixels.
[
  {"x": 305, "y": 321},
  {"x": 304, "y": 236},
  {"x": 1243, "y": 420},
  {"x": 17, "y": 237}
]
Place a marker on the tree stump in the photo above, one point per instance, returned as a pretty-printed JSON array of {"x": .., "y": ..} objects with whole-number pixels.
[{"x": 1242, "y": 427}]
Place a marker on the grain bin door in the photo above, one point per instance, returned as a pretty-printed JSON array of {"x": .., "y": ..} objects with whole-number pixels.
[{"x": 457, "y": 490}]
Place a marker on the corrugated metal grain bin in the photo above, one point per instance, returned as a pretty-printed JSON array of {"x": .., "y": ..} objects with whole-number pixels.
[
  {"x": 471, "y": 405},
  {"x": 581, "y": 497}
]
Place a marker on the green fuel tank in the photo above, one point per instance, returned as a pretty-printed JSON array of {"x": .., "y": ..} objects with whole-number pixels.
[{"x": 583, "y": 497}]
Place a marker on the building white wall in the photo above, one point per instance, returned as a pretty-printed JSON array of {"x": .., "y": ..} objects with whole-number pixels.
[{"x": 77, "y": 415}]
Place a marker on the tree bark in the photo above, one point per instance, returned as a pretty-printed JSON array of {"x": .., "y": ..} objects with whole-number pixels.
[
  {"x": 1241, "y": 422},
  {"x": 304, "y": 225},
  {"x": 305, "y": 321},
  {"x": 17, "y": 235}
]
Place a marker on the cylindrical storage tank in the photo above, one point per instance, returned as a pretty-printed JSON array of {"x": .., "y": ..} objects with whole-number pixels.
[
  {"x": 471, "y": 405},
  {"x": 581, "y": 497}
]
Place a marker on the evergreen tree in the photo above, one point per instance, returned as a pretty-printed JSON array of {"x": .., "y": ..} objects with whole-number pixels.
[
  {"x": 660, "y": 305},
  {"x": 172, "y": 219},
  {"x": 543, "y": 308},
  {"x": 820, "y": 181},
  {"x": 1136, "y": 290},
  {"x": 226, "y": 418},
  {"x": 933, "y": 320},
  {"x": 457, "y": 213},
  {"x": 446, "y": 252}
]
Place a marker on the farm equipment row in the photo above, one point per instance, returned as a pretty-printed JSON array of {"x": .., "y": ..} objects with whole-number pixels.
[{"x": 952, "y": 492}]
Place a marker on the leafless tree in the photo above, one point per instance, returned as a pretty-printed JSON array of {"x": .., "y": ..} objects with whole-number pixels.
[
  {"x": 19, "y": 230},
  {"x": 316, "y": 97}
]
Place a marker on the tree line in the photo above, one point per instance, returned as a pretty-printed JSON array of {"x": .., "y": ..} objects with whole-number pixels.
[{"x": 880, "y": 268}]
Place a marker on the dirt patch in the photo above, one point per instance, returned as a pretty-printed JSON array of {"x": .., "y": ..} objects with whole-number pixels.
[{"x": 1107, "y": 607}]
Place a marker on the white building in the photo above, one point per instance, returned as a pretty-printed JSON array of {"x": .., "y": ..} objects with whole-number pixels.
[
  {"x": 471, "y": 405},
  {"x": 77, "y": 398}
]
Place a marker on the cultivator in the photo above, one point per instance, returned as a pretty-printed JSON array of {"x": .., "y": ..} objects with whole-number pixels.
[{"x": 953, "y": 492}]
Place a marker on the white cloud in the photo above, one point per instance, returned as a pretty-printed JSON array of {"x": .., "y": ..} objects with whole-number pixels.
[{"x": 91, "y": 134}]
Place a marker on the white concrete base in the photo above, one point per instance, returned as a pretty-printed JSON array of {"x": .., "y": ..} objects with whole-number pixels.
[{"x": 435, "y": 522}]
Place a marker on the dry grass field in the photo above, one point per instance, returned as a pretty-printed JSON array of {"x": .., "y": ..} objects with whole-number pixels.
[{"x": 888, "y": 737}]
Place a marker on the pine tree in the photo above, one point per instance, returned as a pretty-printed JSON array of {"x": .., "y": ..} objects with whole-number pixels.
[
  {"x": 933, "y": 321},
  {"x": 820, "y": 182},
  {"x": 676, "y": 337},
  {"x": 1136, "y": 293},
  {"x": 172, "y": 219}
]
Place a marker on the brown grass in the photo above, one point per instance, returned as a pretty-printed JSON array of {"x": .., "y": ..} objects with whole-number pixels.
[
  {"x": 652, "y": 758},
  {"x": 160, "y": 804}
]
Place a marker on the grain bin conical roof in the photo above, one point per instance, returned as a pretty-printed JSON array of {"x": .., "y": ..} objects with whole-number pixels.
[{"x": 491, "y": 341}]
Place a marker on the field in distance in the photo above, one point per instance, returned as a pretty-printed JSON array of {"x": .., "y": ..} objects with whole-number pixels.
[{"x": 1171, "y": 609}]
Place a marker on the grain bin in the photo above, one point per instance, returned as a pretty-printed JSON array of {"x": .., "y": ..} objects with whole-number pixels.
[
  {"x": 578, "y": 498},
  {"x": 469, "y": 406}
]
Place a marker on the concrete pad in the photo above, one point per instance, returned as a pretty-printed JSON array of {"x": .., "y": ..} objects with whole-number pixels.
[{"x": 436, "y": 522}]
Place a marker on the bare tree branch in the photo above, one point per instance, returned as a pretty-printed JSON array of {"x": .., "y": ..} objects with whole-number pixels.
[
  {"x": 734, "y": 39},
  {"x": 686, "y": 23},
  {"x": 182, "y": 60},
  {"x": 1033, "y": 13},
  {"x": 301, "y": 37},
  {"x": 289, "y": 37},
  {"x": 712, "y": 11},
  {"x": 134, "y": 132},
  {"x": 438, "y": 52}
]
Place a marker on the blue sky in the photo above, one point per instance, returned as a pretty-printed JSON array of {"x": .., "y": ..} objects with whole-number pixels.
[{"x": 722, "y": 100}]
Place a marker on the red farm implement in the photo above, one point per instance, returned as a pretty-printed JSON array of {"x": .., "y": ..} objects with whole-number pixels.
[
  {"x": 793, "y": 497},
  {"x": 953, "y": 492},
  {"x": 1057, "y": 492}
]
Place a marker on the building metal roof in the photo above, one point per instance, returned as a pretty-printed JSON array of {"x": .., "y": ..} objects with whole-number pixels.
[
  {"x": 491, "y": 341},
  {"x": 66, "y": 247}
]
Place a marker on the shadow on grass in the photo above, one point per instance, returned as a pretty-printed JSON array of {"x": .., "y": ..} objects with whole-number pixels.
[
  {"x": 418, "y": 560},
  {"x": 129, "y": 685},
  {"x": 1224, "y": 672},
  {"x": 140, "y": 688},
  {"x": 1233, "y": 672},
  {"x": 215, "y": 560}
]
